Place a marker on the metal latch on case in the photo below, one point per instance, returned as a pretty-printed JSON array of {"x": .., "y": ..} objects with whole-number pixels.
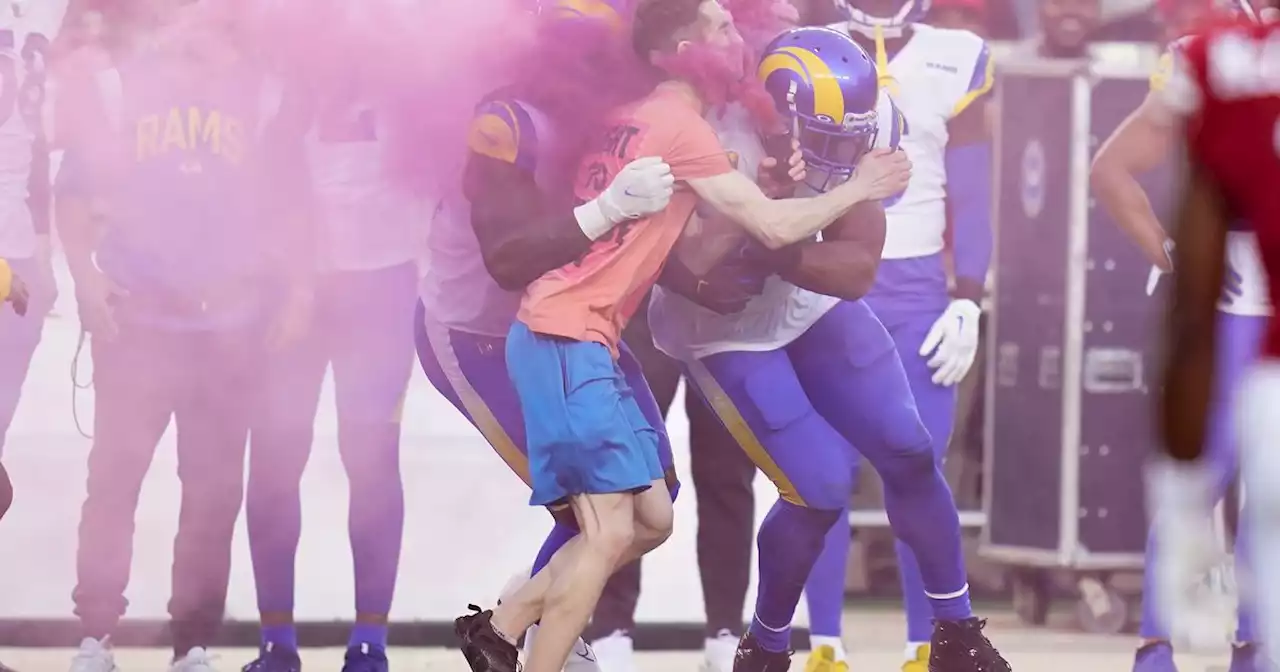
[{"x": 1112, "y": 370}]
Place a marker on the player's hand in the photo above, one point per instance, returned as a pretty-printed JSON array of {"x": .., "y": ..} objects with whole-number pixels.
[
  {"x": 95, "y": 296},
  {"x": 953, "y": 342},
  {"x": 641, "y": 188},
  {"x": 882, "y": 173},
  {"x": 767, "y": 173},
  {"x": 293, "y": 320},
  {"x": 1191, "y": 602}
]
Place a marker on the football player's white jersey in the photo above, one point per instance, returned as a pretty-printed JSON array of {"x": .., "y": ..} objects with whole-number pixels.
[
  {"x": 25, "y": 35},
  {"x": 936, "y": 75},
  {"x": 782, "y": 312},
  {"x": 1246, "y": 292},
  {"x": 457, "y": 290},
  {"x": 369, "y": 220}
]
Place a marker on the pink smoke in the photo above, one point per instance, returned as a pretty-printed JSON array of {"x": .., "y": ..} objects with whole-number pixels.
[
  {"x": 425, "y": 63},
  {"x": 723, "y": 75},
  {"x": 759, "y": 21},
  {"x": 576, "y": 74}
]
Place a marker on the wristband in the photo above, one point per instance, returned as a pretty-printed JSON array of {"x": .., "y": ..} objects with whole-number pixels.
[{"x": 592, "y": 220}]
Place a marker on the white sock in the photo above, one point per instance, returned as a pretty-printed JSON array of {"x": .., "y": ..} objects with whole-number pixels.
[
  {"x": 913, "y": 648},
  {"x": 817, "y": 641}
]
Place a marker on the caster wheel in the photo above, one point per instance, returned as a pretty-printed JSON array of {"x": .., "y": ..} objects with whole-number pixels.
[
  {"x": 1101, "y": 610},
  {"x": 1031, "y": 598}
]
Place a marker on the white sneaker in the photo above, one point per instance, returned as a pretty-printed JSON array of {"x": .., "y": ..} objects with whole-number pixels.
[
  {"x": 582, "y": 659},
  {"x": 197, "y": 660},
  {"x": 94, "y": 656},
  {"x": 719, "y": 651},
  {"x": 615, "y": 653}
]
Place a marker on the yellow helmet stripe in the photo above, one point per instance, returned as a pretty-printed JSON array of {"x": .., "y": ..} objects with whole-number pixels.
[
  {"x": 590, "y": 9},
  {"x": 828, "y": 98}
]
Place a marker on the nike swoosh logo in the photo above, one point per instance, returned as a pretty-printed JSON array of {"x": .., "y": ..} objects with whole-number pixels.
[{"x": 627, "y": 191}]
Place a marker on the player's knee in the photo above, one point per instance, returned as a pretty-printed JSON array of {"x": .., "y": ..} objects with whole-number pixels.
[
  {"x": 910, "y": 464},
  {"x": 653, "y": 526},
  {"x": 830, "y": 488},
  {"x": 612, "y": 539},
  {"x": 607, "y": 527}
]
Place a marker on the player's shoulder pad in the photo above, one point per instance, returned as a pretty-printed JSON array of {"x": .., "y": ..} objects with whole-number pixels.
[{"x": 503, "y": 128}]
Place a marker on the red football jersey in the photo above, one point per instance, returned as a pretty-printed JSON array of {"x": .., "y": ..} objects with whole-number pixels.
[{"x": 1226, "y": 84}]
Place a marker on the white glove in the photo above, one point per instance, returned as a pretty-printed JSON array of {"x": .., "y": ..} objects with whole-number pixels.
[
  {"x": 1193, "y": 603},
  {"x": 641, "y": 188},
  {"x": 953, "y": 341}
]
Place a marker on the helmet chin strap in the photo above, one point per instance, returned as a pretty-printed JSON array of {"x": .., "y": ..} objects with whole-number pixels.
[{"x": 883, "y": 78}]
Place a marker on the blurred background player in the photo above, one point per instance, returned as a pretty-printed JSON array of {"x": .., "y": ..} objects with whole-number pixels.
[
  {"x": 26, "y": 31},
  {"x": 1067, "y": 29},
  {"x": 12, "y": 291},
  {"x": 970, "y": 15},
  {"x": 350, "y": 306},
  {"x": 173, "y": 291},
  {"x": 1144, "y": 141},
  {"x": 931, "y": 314},
  {"x": 1225, "y": 101},
  {"x": 514, "y": 220}
]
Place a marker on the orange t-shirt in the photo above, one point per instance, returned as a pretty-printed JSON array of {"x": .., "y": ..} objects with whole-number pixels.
[{"x": 592, "y": 299}]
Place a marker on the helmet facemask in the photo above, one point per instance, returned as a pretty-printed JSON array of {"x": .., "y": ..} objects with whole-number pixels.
[{"x": 831, "y": 149}]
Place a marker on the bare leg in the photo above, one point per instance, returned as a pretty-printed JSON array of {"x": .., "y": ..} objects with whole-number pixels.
[
  {"x": 608, "y": 529},
  {"x": 522, "y": 607}
]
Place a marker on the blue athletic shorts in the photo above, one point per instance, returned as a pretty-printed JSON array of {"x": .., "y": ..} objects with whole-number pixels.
[{"x": 584, "y": 425}]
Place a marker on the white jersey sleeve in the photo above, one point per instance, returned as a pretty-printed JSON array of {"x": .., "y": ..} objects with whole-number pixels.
[{"x": 937, "y": 75}]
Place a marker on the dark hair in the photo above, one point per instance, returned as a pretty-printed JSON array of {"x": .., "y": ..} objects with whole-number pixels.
[{"x": 659, "y": 25}]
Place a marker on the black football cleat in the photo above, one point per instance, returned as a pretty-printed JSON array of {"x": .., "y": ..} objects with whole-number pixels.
[
  {"x": 484, "y": 649},
  {"x": 751, "y": 657},
  {"x": 960, "y": 646}
]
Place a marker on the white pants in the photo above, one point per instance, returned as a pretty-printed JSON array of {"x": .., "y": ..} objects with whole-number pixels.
[{"x": 1258, "y": 424}]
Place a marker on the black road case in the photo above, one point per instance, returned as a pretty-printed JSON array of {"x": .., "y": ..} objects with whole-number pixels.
[{"x": 1071, "y": 347}]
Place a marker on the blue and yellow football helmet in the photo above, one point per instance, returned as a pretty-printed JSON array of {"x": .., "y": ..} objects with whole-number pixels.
[{"x": 825, "y": 86}]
